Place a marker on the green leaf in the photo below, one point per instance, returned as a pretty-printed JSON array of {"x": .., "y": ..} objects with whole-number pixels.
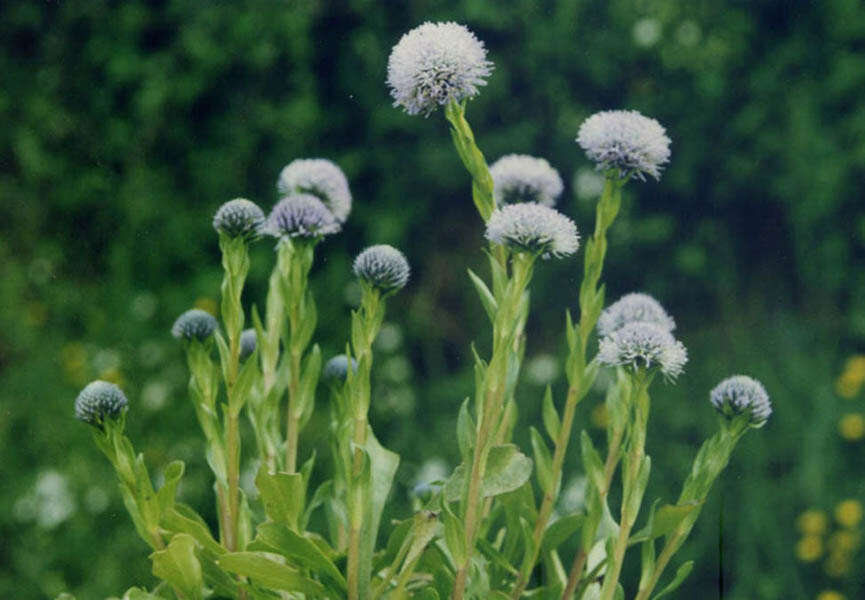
[
  {"x": 507, "y": 470},
  {"x": 183, "y": 519},
  {"x": 561, "y": 529},
  {"x": 543, "y": 463},
  {"x": 179, "y": 566},
  {"x": 552, "y": 423},
  {"x": 224, "y": 353},
  {"x": 455, "y": 535},
  {"x": 299, "y": 550},
  {"x": 681, "y": 575},
  {"x": 487, "y": 299},
  {"x": 669, "y": 516},
  {"x": 269, "y": 573},
  {"x": 246, "y": 379},
  {"x": 282, "y": 495},
  {"x": 166, "y": 494},
  {"x": 465, "y": 431},
  {"x": 592, "y": 462},
  {"x": 308, "y": 383},
  {"x": 134, "y": 593}
]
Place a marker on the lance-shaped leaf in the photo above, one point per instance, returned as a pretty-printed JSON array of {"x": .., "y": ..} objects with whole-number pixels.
[
  {"x": 507, "y": 469},
  {"x": 552, "y": 423},
  {"x": 465, "y": 431},
  {"x": 489, "y": 302},
  {"x": 681, "y": 574},
  {"x": 168, "y": 491},
  {"x": 265, "y": 571},
  {"x": 561, "y": 529},
  {"x": 282, "y": 495},
  {"x": 183, "y": 519},
  {"x": 543, "y": 463},
  {"x": 178, "y": 565},
  {"x": 277, "y": 537}
]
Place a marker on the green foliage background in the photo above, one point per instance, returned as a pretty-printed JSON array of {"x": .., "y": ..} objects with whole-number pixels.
[{"x": 126, "y": 124}]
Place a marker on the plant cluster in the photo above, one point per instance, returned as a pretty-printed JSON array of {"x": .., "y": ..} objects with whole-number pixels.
[{"x": 489, "y": 530}]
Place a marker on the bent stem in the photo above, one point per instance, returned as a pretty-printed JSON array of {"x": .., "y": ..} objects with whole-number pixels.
[{"x": 580, "y": 379}]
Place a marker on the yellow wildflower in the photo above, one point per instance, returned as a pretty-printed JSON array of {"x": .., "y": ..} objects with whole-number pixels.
[
  {"x": 830, "y": 595},
  {"x": 812, "y": 522},
  {"x": 852, "y": 427},
  {"x": 850, "y": 381},
  {"x": 809, "y": 548},
  {"x": 848, "y": 513},
  {"x": 843, "y": 541}
]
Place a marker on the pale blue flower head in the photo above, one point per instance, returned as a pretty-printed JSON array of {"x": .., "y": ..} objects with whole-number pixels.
[
  {"x": 336, "y": 369},
  {"x": 300, "y": 216},
  {"x": 535, "y": 228},
  {"x": 640, "y": 345},
  {"x": 318, "y": 177},
  {"x": 195, "y": 324},
  {"x": 632, "y": 308},
  {"x": 248, "y": 342},
  {"x": 238, "y": 218},
  {"x": 625, "y": 141},
  {"x": 742, "y": 395},
  {"x": 523, "y": 178},
  {"x": 99, "y": 402},
  {"x": 434, "y": 64},
  {"x": 382, "y": 267}
]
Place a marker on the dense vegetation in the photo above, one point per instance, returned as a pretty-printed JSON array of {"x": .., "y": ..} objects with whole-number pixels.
[{"x": 128, "y": 123}]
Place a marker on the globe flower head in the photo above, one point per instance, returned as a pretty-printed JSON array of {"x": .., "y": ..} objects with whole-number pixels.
[
  {"x": 194, "y": 325},
  {"x": 238, "y": 218},
  {"x": 318, "y": 177},
  {"x": 336, "y": 369},
  {"x": 742, "y": 395},
  {"x": 523, "y": 178},
  {"x": 632, "y": 308},
  {"x": 383, "y": 267},
  {"x": 434, "y": 64},
  {"x": 248, "y": 342},
  {"x": 535, "y": 228},
  {"x": 301, "y": 216},
  {"x": 641, "y": 345},
  {"x": 98, "y": 402},
  {"x": 626, "y": 141}
]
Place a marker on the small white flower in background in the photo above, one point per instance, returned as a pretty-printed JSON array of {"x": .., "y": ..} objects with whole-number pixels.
[
  {"x": 588, "y": 184},
  {"x": 646, "y": 32},
  {"x": 435, "y": 63},
  {"x": 741, "y": 394},
  {"x": 383, "y": 267},
  {"x": 433, "y": 469},
  {"x": 542, "y": 369},
  {"x": 632, "y": 308},
  {"x": 535, "y": 228},
  {"x": 336, "y": 369},
  {"x": 626, "y": 141},
  {"x": 154, "y": 394},
  {"x": 523, "y": 178},
  {"x": 643, "y": 345},
  {"x": 49, "y": 502},
  {"x": 300, "y": 216},
  {"x": 318, "y": 177}
]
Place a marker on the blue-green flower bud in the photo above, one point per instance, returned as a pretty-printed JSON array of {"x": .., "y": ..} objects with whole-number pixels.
[
  {"x": 194, "y": 324},
  {"x": 336, "y": 369},
  {"x": 98, "y": 402},
  {"x": 740, "y": 394},
  {"x": 248, "y": 342},
  {"x": 238, "y": 218},
  {"x": 383, "y": 267}
]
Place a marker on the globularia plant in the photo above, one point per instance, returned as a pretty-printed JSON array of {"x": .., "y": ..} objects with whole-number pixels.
[{"x": 489, "y": 530}]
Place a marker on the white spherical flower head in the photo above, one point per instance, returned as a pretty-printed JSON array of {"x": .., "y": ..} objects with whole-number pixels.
[
  {"x": 523, "y": 178},
  {"x": 626, "y": 141},
  {"x": 98, "y": 402},
  {"x": 300, "y": 216},
  {"x": 435, "y": 63},
  {"x": 535, "y": 228},
  {"x": 643, "y": 345},
  {"x": 238, "y": 218},
  {"x": 633, "y": 308},
  {"x": 739, "y": 395},
  {"x": 383, "y": 267},
  {"x": 194, "y": 324},
  {"x": 318, "y": 177}
]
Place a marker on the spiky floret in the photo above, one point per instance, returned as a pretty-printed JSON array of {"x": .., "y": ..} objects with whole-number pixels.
[
  {"x": 634, "y": 307},
  {"x": 383, "y": 267},
  {"x": 194, "y": 324},
  {"x": 435, "y": 63},
  {"x": 739, "y": 395},
  {"x": 532, "y": 227},
  {"x": 626, "y": 141},
  {"x": 523, "y": 178},
  {"x": 238, "y": 218},
  {"x": 643, "y": 345},
  {"x": 336, "y": 369},
  {"x": 318, "y": 177},
  {"x": 248, "y": 342},
  {"x": 98, "y": 402},
  {"x": 300, "y": 216}
]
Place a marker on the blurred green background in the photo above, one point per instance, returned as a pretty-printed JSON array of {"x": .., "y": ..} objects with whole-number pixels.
[{"x": 127, "y": 123}]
